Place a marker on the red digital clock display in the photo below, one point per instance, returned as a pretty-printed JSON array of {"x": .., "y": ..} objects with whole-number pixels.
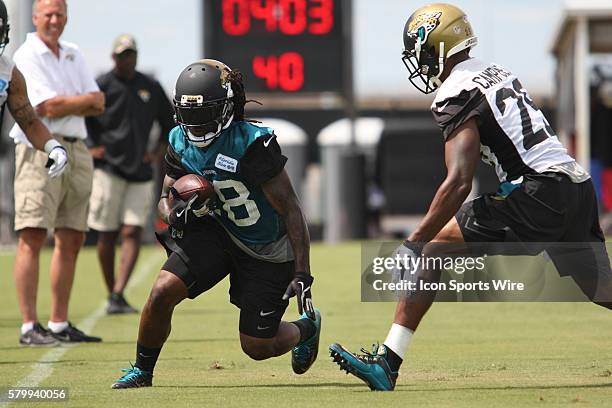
[
  {"x": 289, "y": 17},
  {"x": 281, "y": 46}
]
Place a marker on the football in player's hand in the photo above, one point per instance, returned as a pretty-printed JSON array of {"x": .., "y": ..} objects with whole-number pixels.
[{"x": 191, "y": 184}]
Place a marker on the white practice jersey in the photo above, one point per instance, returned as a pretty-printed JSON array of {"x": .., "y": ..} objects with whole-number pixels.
[
  {"x": 515, "y": 137},
  {"x": 6, "y": 73}
]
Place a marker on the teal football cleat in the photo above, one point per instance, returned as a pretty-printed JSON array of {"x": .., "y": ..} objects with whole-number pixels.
[
  {"x": 372, "y": 368},
  {"x": 134, "y": 378},
  {"x": 305, "y": 353}
]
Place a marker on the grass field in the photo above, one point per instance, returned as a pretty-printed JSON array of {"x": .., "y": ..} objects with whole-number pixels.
[{"x": 464, "y": 355}]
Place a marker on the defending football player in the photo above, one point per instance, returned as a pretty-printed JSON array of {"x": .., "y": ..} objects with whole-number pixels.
[
  {"x": 484, "y": 112},
  {"x": 256, "y": 233}
]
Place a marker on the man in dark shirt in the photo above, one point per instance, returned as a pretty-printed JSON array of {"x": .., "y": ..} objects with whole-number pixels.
[{"x": 122, "y": 192}]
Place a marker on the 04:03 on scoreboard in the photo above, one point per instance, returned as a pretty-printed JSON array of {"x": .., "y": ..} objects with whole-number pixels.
[{"x": 278, "y": 44}]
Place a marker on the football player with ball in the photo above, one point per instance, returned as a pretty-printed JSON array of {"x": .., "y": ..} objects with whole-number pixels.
[
  {"x": 484, "y": 111},
  {"x": 232, "y": 211}
]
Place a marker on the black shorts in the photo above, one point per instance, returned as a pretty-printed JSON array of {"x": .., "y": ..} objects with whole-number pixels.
[
  {"x": 206, "y": 254},
  {"x": 548, "y": 212}
]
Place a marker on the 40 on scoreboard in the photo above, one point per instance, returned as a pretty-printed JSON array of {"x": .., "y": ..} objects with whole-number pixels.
[{"x": 281, "y": 46}]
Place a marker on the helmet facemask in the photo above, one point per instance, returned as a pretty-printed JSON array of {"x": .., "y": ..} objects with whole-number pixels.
[
  {"x": 421, "y": 61},
  {"x": 202, "y": 122}
]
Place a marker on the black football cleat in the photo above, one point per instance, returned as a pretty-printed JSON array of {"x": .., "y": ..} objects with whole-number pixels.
[{"x": 73, "y": 335}]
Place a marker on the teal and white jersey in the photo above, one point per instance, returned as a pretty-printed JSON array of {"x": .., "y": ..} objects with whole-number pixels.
[{"x": 242, "y": 158}]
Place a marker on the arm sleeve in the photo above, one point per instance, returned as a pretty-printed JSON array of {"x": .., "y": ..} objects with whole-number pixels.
[
  {"x": 262, "y": 160},
  {"x": 174, "y": 168},
  {"x": 454, "y": 111}
]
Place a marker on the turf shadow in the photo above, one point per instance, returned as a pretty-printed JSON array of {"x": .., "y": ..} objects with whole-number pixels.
[
  {"x": 116, "y": 342},
  {"x": 85, "y": 362},
  {"x": 406, "y": 388},
  {"x": 275, "y": 385}
]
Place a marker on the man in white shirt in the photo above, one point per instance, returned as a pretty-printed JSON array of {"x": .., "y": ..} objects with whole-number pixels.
[
  {"x": 14, "y": 95},
  {"x": 63, "y": 91}
]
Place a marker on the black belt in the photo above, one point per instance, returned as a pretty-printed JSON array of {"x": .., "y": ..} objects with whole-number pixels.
[{"x": 70, "y": 139}]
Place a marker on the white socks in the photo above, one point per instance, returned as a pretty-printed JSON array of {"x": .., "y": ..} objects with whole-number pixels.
[
  {"x": 57, "y": 327},
  {"x": 398, "y": 339},
  {"x": 26, "y": 327}
]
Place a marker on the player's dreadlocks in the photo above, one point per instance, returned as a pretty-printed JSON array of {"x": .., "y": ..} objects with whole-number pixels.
[{"x": 236, "y": 80}]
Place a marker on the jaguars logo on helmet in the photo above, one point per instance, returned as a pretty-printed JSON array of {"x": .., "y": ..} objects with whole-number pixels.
[
  {"x": 424, "y": 24},
  {"x": 432, "y": 34}
]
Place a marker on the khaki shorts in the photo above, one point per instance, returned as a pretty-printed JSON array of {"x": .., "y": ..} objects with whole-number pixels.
[
  {"x": 61, "y": 202},
  {"x": 116, "y": 201}
]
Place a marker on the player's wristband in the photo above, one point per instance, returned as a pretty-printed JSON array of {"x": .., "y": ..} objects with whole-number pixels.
[
  {"x": 52, "y": 144},
  {"x": 304, "y": 277},
  {"x": 175, "y": 195}
]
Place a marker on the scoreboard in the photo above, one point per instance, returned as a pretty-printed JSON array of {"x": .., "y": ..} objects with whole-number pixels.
[{"x": 281, "y": 46}]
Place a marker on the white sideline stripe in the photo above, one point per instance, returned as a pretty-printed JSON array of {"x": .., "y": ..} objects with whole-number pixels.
[{"x": 44, "y": 367}]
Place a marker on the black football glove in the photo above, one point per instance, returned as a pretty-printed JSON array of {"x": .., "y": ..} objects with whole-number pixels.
[
  {"x": 183, "y": 212},
  {"x": 300, "y": 286}
]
